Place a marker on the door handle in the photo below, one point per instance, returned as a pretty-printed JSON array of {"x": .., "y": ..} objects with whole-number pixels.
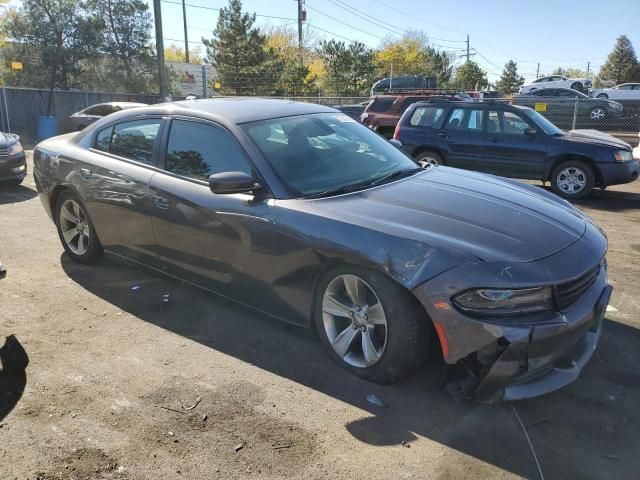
[
  {"x": 85, "y": 173},
  {"x": 443, "y": 134},
  {"x": 161, "y": 202}
]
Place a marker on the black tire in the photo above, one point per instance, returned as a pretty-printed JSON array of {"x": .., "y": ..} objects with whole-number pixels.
[
  {"x": 577, "y": 86},
  {"x": 408, "y": 329},
  {"x": 94, "y": 250},
  {"x": 583, "y": 170},
  {"x": 603, "y": 96},
  {"x": 429, "y": 157}
]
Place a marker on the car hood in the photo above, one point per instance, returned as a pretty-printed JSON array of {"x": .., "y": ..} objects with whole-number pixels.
[
  {"x": 7, "y": 139},
  {"x": 594, "y": 137},
  {"x": 458, "y": 211}
]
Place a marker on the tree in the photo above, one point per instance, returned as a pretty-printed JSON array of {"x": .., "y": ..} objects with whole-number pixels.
[
  {"x": 63, "y": 32},
  {"x": 622, "y": 64},
  {"x": 469, "y": 77},
  {"x": 510, "y": 81},
  {"x": 347, "y": 70},
  {"x": 572, "y": 73},
  {"x": 174, "y": 53},
  {"x": 289, "y": 67},
  {"x": 238, "y": 52},
  {"x": 412, "y": 55}
]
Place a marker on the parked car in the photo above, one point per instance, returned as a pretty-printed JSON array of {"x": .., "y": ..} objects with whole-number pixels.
[
  {"x": 80, "y": 120},
  {"x": 355, "y": 110},
  {"x": 626, "y": 91},
  {"x": 558, "y": 104},
  {"x": 556, "y": 81},
  {"x": 384, "y": 111},
  {"x": 304, "y": 214},
  {"x": 13, "y": 163},
  {"x": 636, "y": 151},
  {"x": 514, "y": 141},
  {"x": 399, "y": 84}
]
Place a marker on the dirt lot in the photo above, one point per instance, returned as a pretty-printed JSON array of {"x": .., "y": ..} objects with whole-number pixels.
[{"x": 113, "y": 373}]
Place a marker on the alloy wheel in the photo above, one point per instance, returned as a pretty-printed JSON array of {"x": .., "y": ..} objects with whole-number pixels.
[
  {"x": 354, "y": 321},
  {"x": 428, "y": 160},
  {"x": 75, "y": 227},
  {"x": 571, "y": 180},
  {"x": 597, "y": 114}
]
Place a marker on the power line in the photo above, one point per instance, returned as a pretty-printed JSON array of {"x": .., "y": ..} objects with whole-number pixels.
[
  {"x": 217, "y": 10},
  {"x": 375, "y": 21},
  {"x": 344, "y": 23},
  {"x": 334, "y": 34}
]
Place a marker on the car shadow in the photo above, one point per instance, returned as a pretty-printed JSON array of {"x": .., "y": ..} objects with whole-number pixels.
[
  {"x": 590, "y": 429},
  {"x": 606, "y": 200},
  {"x": 13, "y": 374},
  {"x": 15, "y": 193}
]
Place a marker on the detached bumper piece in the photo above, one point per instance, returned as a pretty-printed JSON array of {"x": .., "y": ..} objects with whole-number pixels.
[
  {"x": 3, "y": 272},
  {"x": 543, "y": 358}
]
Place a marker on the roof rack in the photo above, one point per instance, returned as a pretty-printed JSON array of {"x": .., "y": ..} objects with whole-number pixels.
[{"x": 419, "y": 91}]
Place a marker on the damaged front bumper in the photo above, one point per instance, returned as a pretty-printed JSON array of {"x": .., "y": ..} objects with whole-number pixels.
[{"x": 494, "y": 359}]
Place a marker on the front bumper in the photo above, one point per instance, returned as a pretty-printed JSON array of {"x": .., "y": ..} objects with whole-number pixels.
[
  {"x": 616, "y": 173},
  {"x": 493, "y": 359},
  {"x": 13, "y": 168}
]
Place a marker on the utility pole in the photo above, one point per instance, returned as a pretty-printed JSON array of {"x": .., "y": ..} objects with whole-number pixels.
[
  {"x": 538, "y": 71},
  {"x": 467, "y": 47},
  {"x": 300, "y": 20},
  {"x": 162, "y": 76},
  {"x": 186, "y": 37},
  {"x": 588, "y": 68}
]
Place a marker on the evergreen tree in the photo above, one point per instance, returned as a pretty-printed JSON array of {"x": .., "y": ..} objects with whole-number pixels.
[
  {"x": 348, "y": 70},
  {"x": 469, "y": 77},
  {"x": 239, "y": 54},
  {"x": 622, "y": 64},
  {"x": 510, "y": 82}
]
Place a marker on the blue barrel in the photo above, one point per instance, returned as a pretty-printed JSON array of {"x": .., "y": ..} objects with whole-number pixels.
[{"x": 46, "y": 127}]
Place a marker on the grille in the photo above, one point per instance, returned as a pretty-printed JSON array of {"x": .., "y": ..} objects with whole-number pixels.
[
  {"x": 4, "y": 152},
  {"x": 567, "y": 294}
]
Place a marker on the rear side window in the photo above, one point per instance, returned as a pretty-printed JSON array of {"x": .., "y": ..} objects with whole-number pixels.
[
  {"x": 196, "y": 150},
  {"x": 380, "y": 105},
  {"x": 103, "y": 139},
  {"x": 465, "y": 119},
  {"x": 134, "y": 140},
  {"x": 101, "y": 110},
  {"x": 426, "y": 116}
]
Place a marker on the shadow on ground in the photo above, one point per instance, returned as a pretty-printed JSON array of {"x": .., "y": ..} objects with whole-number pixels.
[
  {"x": 13, "y": 375},
  {"x": 15, "y": 193},
  {"x": 607, "y": 200},
  {"x": 590, "y": 429}
]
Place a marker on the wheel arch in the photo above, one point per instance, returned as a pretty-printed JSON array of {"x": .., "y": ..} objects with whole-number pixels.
[
  {"x": 429, "y": 148},
  {"x": 575, "y": 156}
]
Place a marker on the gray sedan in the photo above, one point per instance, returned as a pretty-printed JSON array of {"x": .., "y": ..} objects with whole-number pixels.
[
  {"x": 302, "y": 213},
  {"x": 82, "y": 119}
]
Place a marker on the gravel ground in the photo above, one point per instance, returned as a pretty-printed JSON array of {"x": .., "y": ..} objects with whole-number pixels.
[{"x": 121, "y": 384}]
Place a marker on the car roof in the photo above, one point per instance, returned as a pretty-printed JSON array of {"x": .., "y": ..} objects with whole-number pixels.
[{"x": 249, "y": 109}]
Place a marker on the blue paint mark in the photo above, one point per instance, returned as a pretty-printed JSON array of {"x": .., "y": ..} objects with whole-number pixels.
[{"x": 506, "y": 271}]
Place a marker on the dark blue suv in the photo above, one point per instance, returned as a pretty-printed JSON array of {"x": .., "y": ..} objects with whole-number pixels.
[{"x": 514, "y": 141}]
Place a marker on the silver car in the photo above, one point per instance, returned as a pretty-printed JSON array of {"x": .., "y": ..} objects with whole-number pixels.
[{"x": 82, "y": 119}]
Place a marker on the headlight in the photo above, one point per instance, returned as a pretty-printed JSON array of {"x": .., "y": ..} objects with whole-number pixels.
[
  {"x": 15, "y": 148},
  {"x": 623, "y": 155},
  {"x": 488, "y": 301}
]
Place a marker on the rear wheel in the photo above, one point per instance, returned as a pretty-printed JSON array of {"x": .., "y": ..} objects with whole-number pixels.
[
  {"x": 370, "y": 325},
  {"x": 75, "y": 229},
  {"x": 577, "y": 86},
  {"x": 429, "y": 158},
  {"x": 573, "y": 179},
  {"x": 603, "y": 96},
  {"x": 597, "y": 113}
]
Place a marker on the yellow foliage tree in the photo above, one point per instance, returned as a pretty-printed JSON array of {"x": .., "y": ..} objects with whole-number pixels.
[{"x": 174, "y": 53}]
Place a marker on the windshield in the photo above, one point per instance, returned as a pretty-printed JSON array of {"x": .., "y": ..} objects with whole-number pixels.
[
  {"x": 319, "y": 153},
  {"x": 548, "y": 127}
]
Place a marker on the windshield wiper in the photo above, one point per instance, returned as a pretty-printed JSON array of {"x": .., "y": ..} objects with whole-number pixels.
[{"x": 395, "y": 175}]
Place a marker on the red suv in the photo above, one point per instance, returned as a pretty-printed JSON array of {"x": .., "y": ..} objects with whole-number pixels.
[{"x": 384, "y": 111}]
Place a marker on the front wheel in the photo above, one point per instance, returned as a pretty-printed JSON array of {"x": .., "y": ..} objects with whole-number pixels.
[
  {"x": 75, "y": 229},
  {"x": 577, "y": 86},
  {"x": 370, "y": 325},
  {"x": 598, "y": 113},
  {"x": 604, "y": 96},
  {"x": 573, "y": 179}
]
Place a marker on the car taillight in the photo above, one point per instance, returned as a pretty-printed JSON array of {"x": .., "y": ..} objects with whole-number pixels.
[{"x": 396, "y": 132}]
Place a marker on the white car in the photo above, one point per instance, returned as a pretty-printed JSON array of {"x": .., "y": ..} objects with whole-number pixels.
[
  {"x": 625, "y": 91},
  {"x": 636, "y": 151},
  {"x": 556, "y": 81}
]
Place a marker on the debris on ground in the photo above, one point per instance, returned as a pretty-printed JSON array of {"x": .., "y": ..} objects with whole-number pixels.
[
  {"x": 204, "y": 417},
  {"x": 198, "y": 400},
  {"x": 278, "y": 446},
  {"x": 135, "y": 287},
  {"x": 405, "y": 444},
  {"x": 238, "y": 447},
  {"x": 377, "y": 401}
]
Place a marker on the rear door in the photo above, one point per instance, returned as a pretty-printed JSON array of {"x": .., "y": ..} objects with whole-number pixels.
[
  {"x": 113, "y": 180},
  {"x": 509, "y": 151},
  {"x": 462, "y": 138}
]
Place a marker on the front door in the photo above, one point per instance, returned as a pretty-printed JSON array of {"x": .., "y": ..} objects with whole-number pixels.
[
  {"x": 462, "y": 137},
  {"x": 511, "y": 150},
  {"x": 219, "y": 242}
]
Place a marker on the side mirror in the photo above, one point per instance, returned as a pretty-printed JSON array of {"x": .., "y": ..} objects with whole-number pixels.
[
  {"x": 396, "y": 143},
  {"x": 530, "y": 132},
  {"x": 233, "y": 182}
]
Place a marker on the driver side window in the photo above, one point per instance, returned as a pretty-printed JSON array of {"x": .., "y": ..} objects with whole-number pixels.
[{"x": 197, "y": 150}]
